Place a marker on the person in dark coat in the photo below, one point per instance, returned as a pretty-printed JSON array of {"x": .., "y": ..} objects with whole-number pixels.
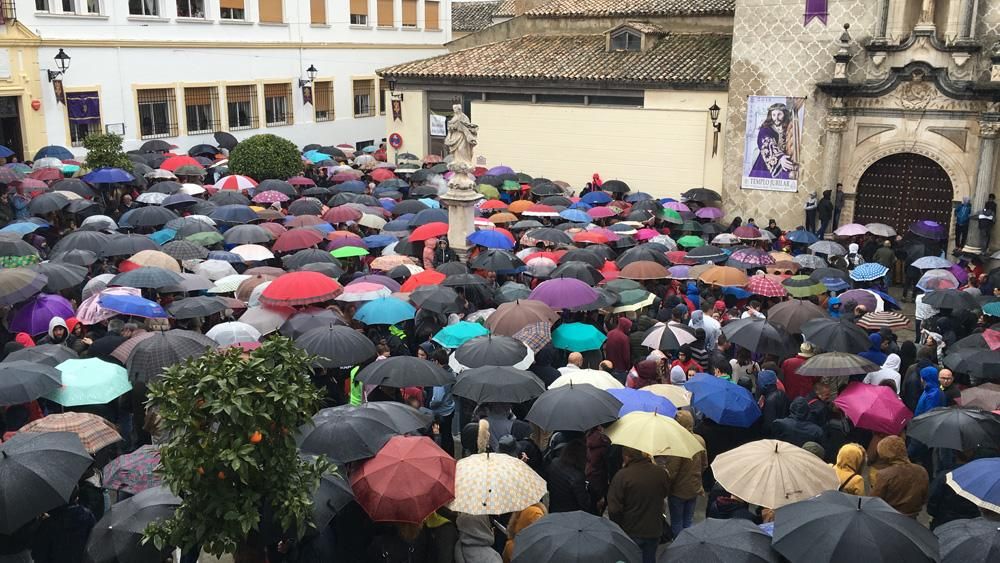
[
  {"x": 796, "y": 427},
  {"x": 635, "y": 501},
  {"x": 567, "y": 481},
  {"x": 773, "y": 402},
  {"x": 642, "y": 324},
  {"x": 944, "y": 504},
  {"x": 824, "y": 210},
  {"x": 62, "y": 536}
]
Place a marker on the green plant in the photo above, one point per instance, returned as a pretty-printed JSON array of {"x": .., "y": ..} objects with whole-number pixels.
[
  {"x": 230, "y": 454},
  {"x": 104, "y": 150},
  {"x": 266, "y": 157}
]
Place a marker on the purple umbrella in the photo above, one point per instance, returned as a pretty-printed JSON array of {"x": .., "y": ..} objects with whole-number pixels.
[
  {"x": 712, "y": 213},
  {"x": 499, "y": 171},
  {"x": 680, "y": 272},
  {"x": 34, "y": 315},
  {"x": 564, "y": 293},
  {"x": 861, "y": 297},
  {"x": 960, "y": 273},
  {"x": 929, "y": 229},
  {"x": 752, "y": 257},
  {"x": 386, "y": 281}
]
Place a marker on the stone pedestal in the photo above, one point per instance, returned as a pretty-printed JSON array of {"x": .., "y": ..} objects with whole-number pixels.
[
  {"x": 985, "y": 173},
  {"x": 461, "y": 199}
]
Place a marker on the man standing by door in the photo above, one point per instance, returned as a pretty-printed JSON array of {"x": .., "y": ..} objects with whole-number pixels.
[
  {"x": 825, "y": 213},
  {"x": 987, "y": 218},
  {"x": 963, "y": 212},
  {"x": 838, "y": 206}
]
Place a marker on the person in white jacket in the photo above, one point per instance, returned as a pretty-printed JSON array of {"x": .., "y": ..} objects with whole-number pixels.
[{"x": 889, "y": 371}]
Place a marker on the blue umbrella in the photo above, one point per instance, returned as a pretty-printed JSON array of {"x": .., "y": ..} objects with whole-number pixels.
[
  {"x": 979, "y": 482},
  {"x": 890, "y": 301},
  {"x": 108, "y": 176},
  {"x": 233, "y": 214},
  {"x": 379, "y": 241},
  {"x": 325, "y": 228},
  {"x": 575, "y": 215},
  {"x": 596, "y": 198},
  {"x": 352, "y": 186},
  {"x": 429, "y": 216},
  {"x": 643, "y": 401},
  {"x": 738, "y": 292},
  {"x": 316, "y": 156},
  {"x": 5, "y": 152},
  {"x": 54, "y": 151},
  {"x": 163, "y": 236},
  {"x": 397, "y": 226},
  {"x": 802, "y": 236},
  {"x": 369, "y": 149},
  {"x": 578, "y": 337},
  {"x": 432, "y": 203},
  {"x": 453, "y": 336},
  {"x": 387, "y": 203},
  {"x": 225, "y": 256},
  {"x": 22, "y": 228},
  {"x": 385, "y": 311},
  {"x": 582, "y": 207},
  {"x": 132, "y": 305},
  {"x": 869, "y": 271},
  {"x": 638, "y": 196},
  {"x": 836, "y": 284},
  {"x": 491, "y": 239},
  {"x": 723, "y": 401}
]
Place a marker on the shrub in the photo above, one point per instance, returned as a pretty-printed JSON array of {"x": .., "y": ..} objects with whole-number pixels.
[
  {"x": 266, "y": 157},
  {"x": 105, "y": 150}
]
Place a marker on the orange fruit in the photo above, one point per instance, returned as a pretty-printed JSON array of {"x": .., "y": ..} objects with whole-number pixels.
[
  {"x": 256, "y": 437},
  {"x": 201, "y": 471},
  {"x": 221, "y": 475}
]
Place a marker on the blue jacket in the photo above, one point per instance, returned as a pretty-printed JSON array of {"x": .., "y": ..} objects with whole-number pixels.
[
  {"x": 932, "y": 397},
  {"x": 874, "y": 354},
  {"x": 962, "y": 213}
]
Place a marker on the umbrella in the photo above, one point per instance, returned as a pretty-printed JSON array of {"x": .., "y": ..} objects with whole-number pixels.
[
  {"x": 133, "y": 472},
  {"x": 956, "y": 428},
  {"x": 149, "y": 216},
  {"x": 337, "y": 346},
  {"x": 300, "y": 288},
  {"x": 863, "y": 297},
  {"x": 826, "y": 529},
  {"x": 668, "y": 336},
  {"x": 496, "y": 260},
  {"x": 834, "y": 364},
  {"x": 155, "y": 258},
  {"x": 332, "y": 495},
  {"x": 40, "y": 472},
  {"x": 491, "y": 483},
  {"x": 803, "y": 286},
  {"x": 639, "y": 400},
  {"x": 161, "y": 350},
  {"x": 573, "y": 408},
  {"x": 985, "y": 396},
  {"x": 22, "y": 381},
  {"x": 48, "y": 355},
  {"x": 453, "y": 336},
  {"x": 835, "y": 335},
  {"x": 247, "y": 234},
  {"x": 61, "y": 275},
  {"x": 147, "y": 277},
  {"x": 758, "y": 336},
  {"x": 809, "y": 261},
  {"x": 425, "y": 278},
  {"x": 979, "y": 482},
  {"x": 385, "y": 311},
  {"x": 722, "y": 401},
  {"x": 492, "y": 350},
  {"x": 106, "y": 175},
  {"x": 765, "y": 287},
  {"x": 405, "y": 371},
  {"x": 951, "y": 299},
  {"x": 929, "y": 229},
  {"x": 564, "y": 293},
  {"x": 126, "y": 245},
  {"x": 576, "y": 536},
  {"x": 773, "y": 473},
  {"x": 437, "y": 298},
  {"x": 827, "y": 247},
  {"x": 347, "y": 433},
  {"x": 722, "y": 541},
  {"x": 644, "y": 270},
  {"x": 578, "y": 337},
  {"x": 724, "y": 276},
  {"x": 802, "y": 236},
  {"x": 34, "y": 315},
  {"x": 304, "y": 321},
  {"x": 225, "y": 140},
  {"x": 794, "y": 313},
  {"x": 593, "y": 377},
  {"x": 47, "y": 203},
  {"x": 885, "y": 319},
  {"x": 748, "y": 258},
  {"x": 134, "y": 305},
  {"x": 874, "y": 407},
  {"x": 498, "y": 384},
  {"x": 654, "y": 434},
  {"x": 119, "y": 535},
  {"x": 933, "y": 280},
  {"x": 94, "y": 432},
  {"x": 975, "y": 540},
  {"x": 19, "y": 284},
  {"x": 869, "y": 271},
  {"x": 228, "y": 334},
  {"x": 931, "y": 263},
  {"x": 89, "y": 382},
  {"x": 406, "y": 481}
]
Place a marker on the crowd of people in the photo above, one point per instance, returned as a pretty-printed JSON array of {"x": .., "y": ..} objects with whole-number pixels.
[{"x": 736, "y": 332}]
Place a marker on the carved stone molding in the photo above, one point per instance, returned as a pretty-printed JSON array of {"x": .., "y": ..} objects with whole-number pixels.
[
  {"x": 836, "y": 123},
  {"x": 861, "y": 163},
  {"x": 957, "y": 135},
  {"x": 989, "y": 129},
  {"x": 867, "y": 131}
]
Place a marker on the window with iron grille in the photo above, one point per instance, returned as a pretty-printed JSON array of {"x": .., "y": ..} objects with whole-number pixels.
[
  {"x": 201, "y": 109},
  {"x": 278, "y": 104},
  {"x": 83, "y": 110},
  {"x": 191, "y": 8},
  {"x": 364, "y": 92},
  {"x": 144, "y": 7},
  {"x": 241, "y": 105},
  {"x": 359, "y": 12},
  {"x": 323, "y": 100},
  {"x": 157, "y": 113}
]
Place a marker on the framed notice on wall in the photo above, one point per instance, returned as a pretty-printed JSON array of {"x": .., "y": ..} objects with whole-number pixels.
[
  {"x": 439, "y": 125},
  {"x": 773, "y": 143}
]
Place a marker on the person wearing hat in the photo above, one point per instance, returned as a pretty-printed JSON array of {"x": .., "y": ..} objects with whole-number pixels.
[{"x": 797, "y": 385}]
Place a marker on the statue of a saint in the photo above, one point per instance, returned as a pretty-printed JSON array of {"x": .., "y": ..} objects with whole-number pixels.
[
  {"x": 461, "y": 138},
  {"x": 927, "y": 12}
]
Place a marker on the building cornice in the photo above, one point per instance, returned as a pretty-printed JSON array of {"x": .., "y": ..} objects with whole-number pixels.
[{"x": 162, "y": 44}]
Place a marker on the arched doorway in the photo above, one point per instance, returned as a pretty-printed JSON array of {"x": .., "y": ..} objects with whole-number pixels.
[{"x": 901, "y": 189}]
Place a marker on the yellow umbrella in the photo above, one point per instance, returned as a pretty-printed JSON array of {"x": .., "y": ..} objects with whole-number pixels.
[
  {"x": 600, "y": 379},
  {"x": 654, "y": 434},
  {"x": 676, "y": 394},
  {"x": 772, "y": 473},
  {"x": 495, "y": 484},
  {"x": 157, "y": 259}
]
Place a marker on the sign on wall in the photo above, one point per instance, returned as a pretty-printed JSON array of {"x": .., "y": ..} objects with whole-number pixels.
[
  {"x": 439, "y": 125},
  {"x": 773, "y": 143}
]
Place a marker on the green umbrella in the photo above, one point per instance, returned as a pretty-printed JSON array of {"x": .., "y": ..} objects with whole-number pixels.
[
  {"x": 670, "y": 216},
  {"x": 90, "y": 382},
  {"x": 348, "y": 252},
  {"x": 510, "y": 186},
  {"x": 205, "y": 239},
  {"x": 577, "y": 337},
  {"x": 488, "y": 191},
  {"x": 455, "y": 335},
  {"x": 691, "y": 241},
  {"x": 803, "y": 286}
]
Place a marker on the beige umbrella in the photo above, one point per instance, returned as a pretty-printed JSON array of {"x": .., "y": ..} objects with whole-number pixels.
[
  {"x": 495, "y": 484},
  {"x": 772, "y": 473},
  {"x": 679, "y": 396},
  {"x": 597, "y": 378},
  {"x": 371, "y": 221},
  {"x": 654, "y": 434},
  {"x": 386, "y": 263}
]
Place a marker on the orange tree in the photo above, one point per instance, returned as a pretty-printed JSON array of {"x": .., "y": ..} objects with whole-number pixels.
[{"x": 230, "y": 451}]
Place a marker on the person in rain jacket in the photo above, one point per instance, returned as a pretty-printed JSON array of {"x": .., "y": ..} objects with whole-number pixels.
[
  {"x": 850, "y": 460},
  {"x": 58, "y": 332},
  {"x": 711, "y": 327},
  {"x": 889, "y": 372},
  {"x": 932, "y": 397},
  {"x": 519, "y": 521},
  {"x": 773, "y": 402},
  {"x": 685, "y": 479},
  {"x": 693, "y": 296},
  {"x": 833, "y": 307},
  {"x": 874, "y": 353},
  {"x": 901, "y": 483},
  {"x": 475, "y": 540},
  {"x": 796, "y": 428}
]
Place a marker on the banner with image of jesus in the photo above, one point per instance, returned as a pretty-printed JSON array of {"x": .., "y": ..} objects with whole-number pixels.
[{"x": 771, "y": 158}]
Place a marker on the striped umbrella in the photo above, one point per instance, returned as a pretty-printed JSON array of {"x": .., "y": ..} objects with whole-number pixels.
[
  {"x": 235, "y": 183},
  {"x": 833, "y": 364},
  {"x": 883, "y": 319}
]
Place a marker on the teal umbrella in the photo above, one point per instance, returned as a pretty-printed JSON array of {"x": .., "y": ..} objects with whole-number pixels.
[
  {"x": 348, "y": 252},
  {"x": 90, "y": 382},
  {"x": 577, "y": 337},
  {"x": 455, "y": 335},
  {"x": 385, "y": 311},
  {"x": 690, "y": 241}
]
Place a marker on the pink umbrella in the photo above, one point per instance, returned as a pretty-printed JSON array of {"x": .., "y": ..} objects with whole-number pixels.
[
  {"x": 646, "y": 234},
  {"x": 676, "y": 206},
  {"x": 851, "y": 230},
  {"x": 601, "y": 212},
  {"x": 270, "y": 196},
  {"x": 90, "y": 311},
  {"x": 709, "y": 213},
  {"x": 874, "y": 407}
]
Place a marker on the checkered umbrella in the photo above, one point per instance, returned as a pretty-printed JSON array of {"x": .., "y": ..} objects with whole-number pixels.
[
  {"x": 765, "y": 287},
  {"x": 869, "y": 271},
  {"x": 134, "y": 472},
  {"x": 150, "y": 357},
  {"x": 149, "y": 277},
  {"x": 495, "y": 484},
  {"x": 94, "y": 431}
]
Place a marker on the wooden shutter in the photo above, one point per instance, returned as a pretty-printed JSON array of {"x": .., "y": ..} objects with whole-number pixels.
[
  {"x": 270, "y": 11},
  {"x": 359, "y": 7},
  {"x": 321, "y": 95},
  {"x": 410, "y": 13},
  {"x": 385, "y": 15},
  {"x": 431, "y": 18},
  {"x": 240, "y": 93},
  {"x": 233, "y": 4},
  {"x": 319, "y": 12}
]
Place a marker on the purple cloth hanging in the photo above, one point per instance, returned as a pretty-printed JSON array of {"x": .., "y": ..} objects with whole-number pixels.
[
  {"x": 816, "y": 9},
  {"x": 84, "y": 108}
]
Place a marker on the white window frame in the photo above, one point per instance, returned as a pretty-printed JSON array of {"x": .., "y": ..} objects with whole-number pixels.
[
  {"x": 144, "y": 3},
  {"x": 203, "y": 4}
]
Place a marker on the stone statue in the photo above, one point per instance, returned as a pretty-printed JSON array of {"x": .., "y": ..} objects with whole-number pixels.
[
  {"x": 461, "y": 139},
  {"x": 927, "y": 12}
]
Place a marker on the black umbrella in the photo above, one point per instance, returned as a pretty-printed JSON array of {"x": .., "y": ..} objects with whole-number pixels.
[
  {"x": 181, "y": 250},
  {"x": 405, "y": 419},
  {"x": 615, "y": 187},
  {"x": 794, "y": 313},
  {"x": 346, "y": 433},
  {"x": 306, "y": 206},
  {"x": 74, "y": 185},
  {"x": 156, "y": 145},
  {"x": 154, "y": 354},
  {"x": 578, "y": 270},
  {"x": 465, "y": 280},
  {"x": 419, "y": 191},
  {"x": 525, "y": 225},
  {"x": 127, "y": 245},
  {"x": 573, "y": 408},
  {"x": 196, "y": 307},
  {"x": 496, "y": 260},
  {"x": 83, "y": 208},
  {"x": 47, "y": 203},
  {"x": 18, "y": 284},
  {"x": 186, "y": 226},
  {"x": 758, "y": 336},
  {"x": 47, "y": 355},
  {"x": 820, "y": 273},
  {"x": 317, "y": 192},
  {"x": 437, "y": 298},
  {"x": 40, "y": 472},
  {"x": 308, "y": 256},
  {"x": 168, "y": 187},
  {"x": 702, "y": 195},
  {"x": 549, "y": 192},
  {"x": 546, "y": 234},
  {"x": 956, "y": 428},
  {"x": 229, "y": 197},
  {"x": 328, "y": 269},
  {"x": 405, "y": 371},
  {"x": 331, "y": 496},
  {"x": 836, "y": 335},
  {"x": 16, "y": 247},
  {"x": 449, "y": 268},
  {"x": 511, "y": 291},
  {"x": 22, "y": 381},
  {"x": 337, "y": 346},
  {"x": 951, "y": 299},
  {"x": 583, "y": 255},
  {"x": 203, "y": 150},
  {"x": 835, "y": 527},
  {"x": 577, "y": 536},
  {"x": 279, "y": 186},
  {"x": 147, "y": 277},
  {"x": 642, "y": 253},
  {"x": 247, "y": 234},
  {"x": 149, "y": 216},
  {"x": 979, "y": 363},
  {"x": 976, "y": 540},
  {"x": 61, "y": 275},
  {"x": 304, "y": 321},
  {"x": 429, "y": 216},
  {"x": 118, "y": 537},
  {"x": 492, "y": 350},
  {"x": 409, "y": 206},
  {"x": 722, "y": 541},
  {"x": 707, "y": 253},
  {"x": 225, "y": 140},
  {"x": 498, "y": 384},
  {"x": 78, "y": 257}
]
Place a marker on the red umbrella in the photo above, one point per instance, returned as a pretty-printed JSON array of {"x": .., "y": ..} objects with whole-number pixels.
[
  {"x": 430, "y": 230},
  {"x": 406, "y": 481},
  {"x": 601, "y": 212},
  {"x": 427, "y": 277},
  {"x": 493, "y": 205},
  {"x": 297, "y": 239},
  {"x": 275, "y": 229},
  {"x": 765, "y": 287},
  {"x": 175, "y": 162},
  {"x": 305, "y": 221},
  {"x": 300, "y": 288},
  {"x": 342, "y": 214},
  {"x": 382, "y": 174},
  {"x": 341, "y": 178},
  {"x": 874, "y": 407},
  {"x": 610, "y": 271},
  {"x": 680, "y": 257},
  {"x": 590, "y": 237},
  {"x": 301, "y": 181},
  {"x": 46, "y": 174}
]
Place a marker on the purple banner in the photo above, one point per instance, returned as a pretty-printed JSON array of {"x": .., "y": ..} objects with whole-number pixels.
[
  {"x": 816, "y": 9},
  {"x": 83, "y": 108}
]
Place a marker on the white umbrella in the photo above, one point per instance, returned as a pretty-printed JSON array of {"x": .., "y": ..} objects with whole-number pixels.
[
  {"x": 48, "y": 162},
  {"x": 266, "y": 319},
  {"x": 597, "y": 378},
  {"x": 254, "y": 299},
  {"x": 160, "y": 174},
  {"x": 252, "y": 252},
  {"x": 229, "y": 283},
  {"x": 371, "y": 221},
  {"x": 96, "y": 285},
  {"x": 68, "y": 195},
  {"x": 226, "y": 334},
  {"x": 191, "y": 189},
  {"x": 154, "y": 198},
  {"x": 215, "y": 270},
  {"x": 773, "y": 473},
  {"x": 105, "y": 221}
]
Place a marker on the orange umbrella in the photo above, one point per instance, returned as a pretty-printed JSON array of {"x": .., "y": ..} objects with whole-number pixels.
[
  {"x": 644, "y": 270},
  {"x": 493, "y": 205},
  {"x": 427, "y": 277},
  {"x": 430, "y": 230},
  {"x": 724, "y": 276},
  {"x": 590, "y": 237},
  {"x": 501, "y": 218},
  {"x": 779, "y": 256},
  {"x": 519, "y": 206}
]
